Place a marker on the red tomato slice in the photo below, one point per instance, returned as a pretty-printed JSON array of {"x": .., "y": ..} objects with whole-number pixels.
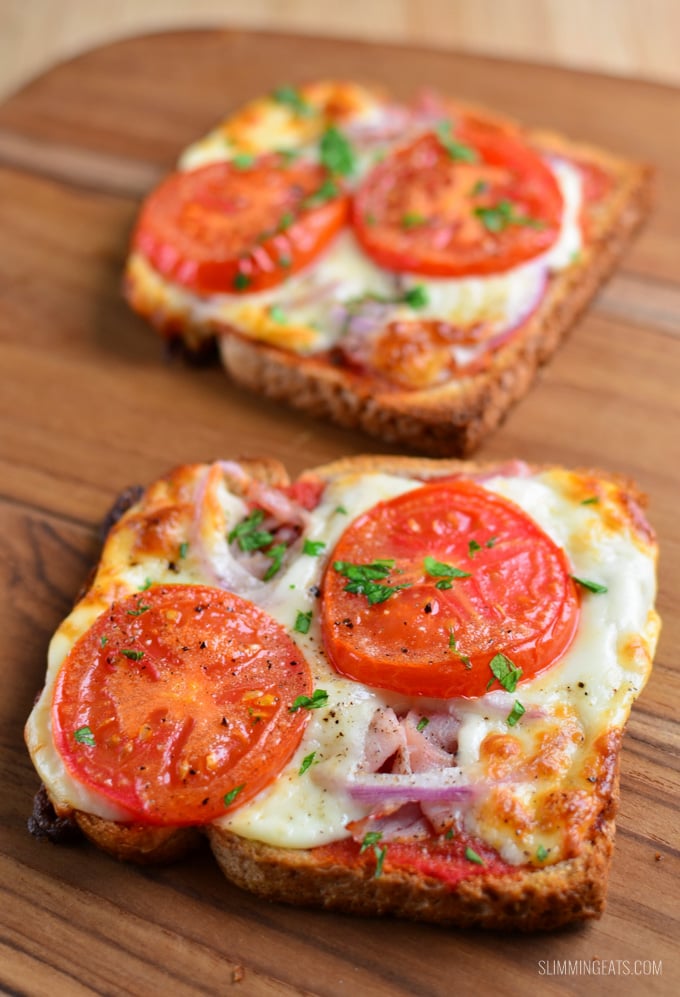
[
  {"x": 424, "y": 211},
  {"x": 221, "y": 228},
  {"x": 175, "y": 704},
  {"x": 437, "y": 636}
]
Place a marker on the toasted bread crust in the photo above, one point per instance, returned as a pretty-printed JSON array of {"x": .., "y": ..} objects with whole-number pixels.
[
  {"x": 451, "y": 419},
  {"x": 530, "y": 898}
]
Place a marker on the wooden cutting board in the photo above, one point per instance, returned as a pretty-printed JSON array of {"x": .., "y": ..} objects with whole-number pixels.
[{"x": 89, "y": 405}]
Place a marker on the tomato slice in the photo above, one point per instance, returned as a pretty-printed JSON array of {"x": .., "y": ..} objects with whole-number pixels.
[
  {"x": 175, "y": 704},
  {"x": 426, "y": 210},
  {"x": 225, "y": 228},
  {"x": 436, "y": 632}
]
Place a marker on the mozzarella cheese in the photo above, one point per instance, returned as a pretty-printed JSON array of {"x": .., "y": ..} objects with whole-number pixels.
[
  {"x": 530, "y": 780},
  {"x": 331, "y": 302}
]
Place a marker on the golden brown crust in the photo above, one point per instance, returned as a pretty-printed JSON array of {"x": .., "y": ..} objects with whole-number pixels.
[
  {"x": 451, "y": 419},
  {"x": 529, "y": 898},
  {"x": 137, "y": 843}
]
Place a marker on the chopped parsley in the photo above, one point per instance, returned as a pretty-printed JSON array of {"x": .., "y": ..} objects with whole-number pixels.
[
  {"x": 541, "y": 853},
  {"x": 147, "y": 585},
  {"x": 318, "y": 698},
  {"x": 313, "y": 547},
  {"x": 232, "y": 794},
  {"x": 340, "y": 509},
  {"x": 288, "y": 155},
  {"x": 286, "y": 220},
  {"x": 499, "y": 216},
  {"x": 247, "y": 534},
  {"x": 104, "y": 641},
  {"x": 303, "y": 621},
  {"x": 479, "y": 188},
  {"x": 505, "y": 671},
  {"x": 416, "y": 296},
  {"x": 337, "y": 154},
  {"x": 516, "y": 712},
  {"x": 371, "y": 840},
  {"x": 307, "y": 762},
  {"x": 276, "y": 554},
  {"x": 241, "y": 281},
  {"x": 456, "y": 150},
  {"x": 591, "y": 500},
  {"x": 285, "y": 262},
  {"x": 422, "y": 724},
  {"x": 472, "y": 856},
  {"x": 277, "y": 314},
  {"x": 366, "y": 579},
  {"x": 440, "y": 569},
  {"x": 183, "y": 549},
  {"x": 473, "y": 547},
  {"x": 243, "y": 161},
  {"x": 293, "y": 99},
  {"x": 591, "y": 586},
  {"x": 326, "y": 192},
  {"x": 412, "y": 220},
  {"x": 491, "y": 542},
  {"x": 132, "y": 655},
  {"x": 141, "y": 608},
  {"x": 461, "y": 657},
  {"x": 84, "y": 736}
]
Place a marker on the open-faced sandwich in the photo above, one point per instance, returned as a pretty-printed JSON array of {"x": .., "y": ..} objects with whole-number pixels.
[
  {"x": 390, "y": 686},
  {"x": 403, "y": 268}
]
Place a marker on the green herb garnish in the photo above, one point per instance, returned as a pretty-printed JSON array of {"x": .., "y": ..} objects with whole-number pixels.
[
  {"x": 491, "y": 542},
  {"x": 183, "y": 549},
  {"x": 293, "y": 99},
  {"x": 232, "y": 794},
  {"x": 591, "y": 586},
  {"x": 277, "y": 314},
  {"x": 541, "y": 853},
  {"x": 147, "y": 585},
  {"x": 422, "y": 724},
  {"x": 516, "y": 712},
  {"x": 473, "y": 547},
  {"x": 456, "y": 150},
  {"x": 326, "y": 192},
  {"x": 132, "y": 655},
  {"x": 131, "y": 612},
  {"x": 241, "y": 281},
  {"x": 318, "y": 698},
  {"x": 243, "y": 161},
  {"x": 591, "y": 500},
  {"x": 303, "y": 621},
  {"x": 505, "y": 671},
  {"x": 472, "y": 856},
  {"x": 499, "y": 216},
  {"x": 337, "y": 154},
  {"x": 439, "y": 569},
  {"x": 416, "y": 297},
  {"x": 104, "y": 640},
  {"x": 313, "y": 547},
  {"x": 276, "y": 554},
  {"x": 366, "y": 579},
  {"x": 248, "y": 536},
  {"x": 286, "y": 220},
  {"x": 412, "y": 220},
  {"x": 307, "y": 762},
  {"x": 84, "y": 736}
]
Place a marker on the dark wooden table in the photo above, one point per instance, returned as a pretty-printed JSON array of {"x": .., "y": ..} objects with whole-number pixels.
[{"x": 89, "y": 405}]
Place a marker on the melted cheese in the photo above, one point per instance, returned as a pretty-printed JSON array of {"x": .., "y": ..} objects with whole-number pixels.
[
  {"x": 554, "y": 750},
  {"x": 312, "y": 311}
]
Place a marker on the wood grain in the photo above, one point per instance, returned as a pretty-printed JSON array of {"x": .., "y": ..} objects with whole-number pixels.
[{"x": 89, "y": 405}]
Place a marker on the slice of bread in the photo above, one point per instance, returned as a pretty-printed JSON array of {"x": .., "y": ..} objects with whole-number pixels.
[
  {"x": 452, "y": 416},
  {"x": 342, "y": 875}
]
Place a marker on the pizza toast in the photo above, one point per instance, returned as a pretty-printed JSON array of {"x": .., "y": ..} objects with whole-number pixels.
[
  {"x": 476, "y": 786},
  {"x": 447, "y": 252}
]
